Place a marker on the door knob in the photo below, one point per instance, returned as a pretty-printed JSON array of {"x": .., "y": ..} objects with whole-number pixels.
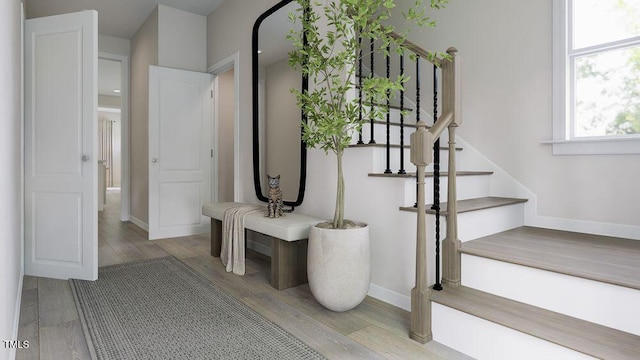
[
  {"x": 154, "y": 160},
  {"x": 86, "y": 158}
]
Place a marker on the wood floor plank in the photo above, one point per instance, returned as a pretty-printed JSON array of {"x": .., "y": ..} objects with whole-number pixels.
[
  {"x": 175, "y": 248},
  {"x": 396, "y": 323},
  {"x": 29, "y": 322},
  {"x": 128, "y": 252},
  {"x": 63, "y": 341},
  {"x": 55, "y": 302},
  {"x": 29, "y": 282},
  {"x": 299, "y": 297},
  {"x": 197, "y": 243},
  {"x": 150, "y": 250},
  {"x": 108, "y": 256},
  {"x": 322, "y": 338},
  {"x": 391, "y": 347},
  {"x": 217, "y": 275}
]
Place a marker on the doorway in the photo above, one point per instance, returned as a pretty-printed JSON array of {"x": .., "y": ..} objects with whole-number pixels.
[
  {"x": 226, "y": 129},
  {"x": 225, "y": 114},
  {"x": 113, "y": 131}
]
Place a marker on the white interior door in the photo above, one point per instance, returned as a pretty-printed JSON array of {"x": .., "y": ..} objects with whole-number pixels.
[
  {"x": 180, "y": 151},
  {"x": 61, "y": 96}
]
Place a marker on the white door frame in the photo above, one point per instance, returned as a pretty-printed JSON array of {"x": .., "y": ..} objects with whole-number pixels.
[
  {"x": 232, "y": 61},
  {"x": 124, "y": 130}
]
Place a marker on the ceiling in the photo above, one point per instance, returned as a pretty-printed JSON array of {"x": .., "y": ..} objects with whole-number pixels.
[
  {"x": 119, "y": 18},
  {"x": 272, "y": 40},
  {"x": 108, "y": 77},
  {"x": 123, "y": 18}
]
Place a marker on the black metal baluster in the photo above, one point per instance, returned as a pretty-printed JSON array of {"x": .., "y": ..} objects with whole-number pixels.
[
  {"x": 436, "y": 179},
  {"x": 417, "y": 107},
  {"x": 360, "y": 89},
  {"x": 388, "y": 145},
  {"x": 402, "y": 171},
  {"x": 371, "y": 48}
]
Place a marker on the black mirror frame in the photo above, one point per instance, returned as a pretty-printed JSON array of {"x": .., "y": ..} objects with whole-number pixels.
[{"x": 256, "y": 137}]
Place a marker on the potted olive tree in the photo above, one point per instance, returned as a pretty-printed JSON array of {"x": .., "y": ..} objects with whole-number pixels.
[{"x": 327, "y": 50}]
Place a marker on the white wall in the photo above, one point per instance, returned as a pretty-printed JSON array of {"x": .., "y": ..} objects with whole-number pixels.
[
  {"x": 11, "y": 266},
  {"x": 506, "y": 49},
  {"x": 114, "y": 45},
  {"x": 144, "y": 52},
  {"x": 109, "y": 101},
  {"x": 170, "y": 38},
  {"x": 182, "y": 39},
  {"x": 229, "y": 31}
]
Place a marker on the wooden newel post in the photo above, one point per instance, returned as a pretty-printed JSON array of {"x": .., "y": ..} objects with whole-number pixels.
[
  {"x": 421, "y": 156},
  {"x": 451, "y": 259},
  {"x": 452, "y": 262}
]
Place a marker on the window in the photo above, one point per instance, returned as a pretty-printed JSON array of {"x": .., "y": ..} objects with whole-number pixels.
[{"x": 597, "y": 76}]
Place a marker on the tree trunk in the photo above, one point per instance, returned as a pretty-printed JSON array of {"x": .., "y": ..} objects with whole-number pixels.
[{"x": 338, "y": 217}]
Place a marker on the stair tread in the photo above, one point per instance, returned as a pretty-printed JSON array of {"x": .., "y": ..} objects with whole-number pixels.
[
  {"x": 471, "y": 204},
  {"x": 580, "y": 335},
  {"x": 406, "y": 146},
  {"x": 430, "y": 174},
  {"x": 606, "y": 259}
]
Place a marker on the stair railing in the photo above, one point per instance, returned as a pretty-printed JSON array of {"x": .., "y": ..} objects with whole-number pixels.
[
  {"x": 422, "y": 141},
  {"x": 425, "y": 146}
]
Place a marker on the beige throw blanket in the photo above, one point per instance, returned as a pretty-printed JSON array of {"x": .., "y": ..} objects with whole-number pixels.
[{"x": 232, "y": 249}]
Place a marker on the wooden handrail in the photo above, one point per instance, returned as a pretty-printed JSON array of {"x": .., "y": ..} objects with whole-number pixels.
[
  {"x": 443, "y": 122},
  {"x": 416, "y": 49}
]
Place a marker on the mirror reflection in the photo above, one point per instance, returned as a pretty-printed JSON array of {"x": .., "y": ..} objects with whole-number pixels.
[{"x": 279, "y": 147}]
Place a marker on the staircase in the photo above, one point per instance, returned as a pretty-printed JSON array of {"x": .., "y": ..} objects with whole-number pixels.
[{"x": 525, "y": 293}]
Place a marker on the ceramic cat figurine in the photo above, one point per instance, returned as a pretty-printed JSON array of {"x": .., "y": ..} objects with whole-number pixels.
[{"x": 275, "y": 205}]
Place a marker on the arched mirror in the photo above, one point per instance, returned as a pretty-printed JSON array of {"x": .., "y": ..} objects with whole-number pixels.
[{"x": 277, "y": 145}]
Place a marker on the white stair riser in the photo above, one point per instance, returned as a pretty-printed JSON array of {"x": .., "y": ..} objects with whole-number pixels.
[
  {"x": 380, "y": 134},
  {"x": 489, "y": 221},
  {"x": 468, "y": 187},
  {"x": 605, "y": 304},
  {"x": 469, "y": 228},
  {"x": 483, "y": 339}
]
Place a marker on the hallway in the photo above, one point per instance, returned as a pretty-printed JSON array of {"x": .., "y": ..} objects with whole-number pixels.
[{"x": 50, "y": 322}]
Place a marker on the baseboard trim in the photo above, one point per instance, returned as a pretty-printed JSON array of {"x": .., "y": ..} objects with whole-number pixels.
[
  {"x": 390, "y": 297},
  {"x": 582, "y": 226},
  {"x": 139, "y": 222}
]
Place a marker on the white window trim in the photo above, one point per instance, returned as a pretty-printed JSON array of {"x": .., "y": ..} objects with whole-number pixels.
[{"x": 563, "y": 143}]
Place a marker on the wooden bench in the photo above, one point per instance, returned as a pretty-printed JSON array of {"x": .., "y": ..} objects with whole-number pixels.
[{"x": 288, "y": 235}]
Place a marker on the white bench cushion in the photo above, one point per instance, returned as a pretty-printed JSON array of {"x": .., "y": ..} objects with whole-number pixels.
[{"x": 292, "y": 227}]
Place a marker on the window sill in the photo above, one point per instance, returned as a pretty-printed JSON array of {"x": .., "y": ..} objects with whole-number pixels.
[{"x": 596, "y": 146}]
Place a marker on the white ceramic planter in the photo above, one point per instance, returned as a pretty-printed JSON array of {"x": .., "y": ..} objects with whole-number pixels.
[{"x": 339, "y": 266}]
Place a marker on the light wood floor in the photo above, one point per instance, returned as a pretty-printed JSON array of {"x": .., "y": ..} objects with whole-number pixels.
[{"x": 374, "y": 330}]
